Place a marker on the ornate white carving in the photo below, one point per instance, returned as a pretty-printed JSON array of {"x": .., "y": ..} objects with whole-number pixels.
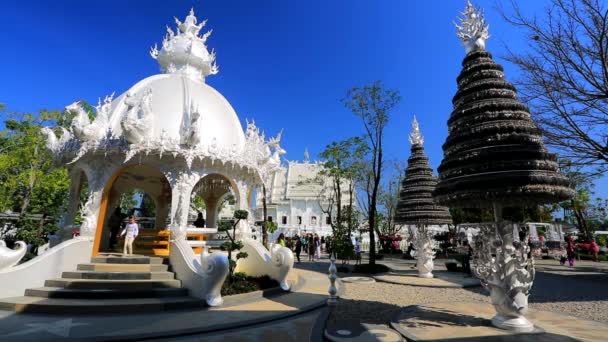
[
  {"x": 137, "y": 123},
  {"x": 191, "y": 135},
  {"x": 185, "y": 52},
  {"x": 416, "y": 137},
  {"x": 473, "y": 30},
  {"x": 11, "y": 257},
  {"x": 424, "y": 252},
  {"x": 89, "y": 215},
  {"x": 203, "y": 276},
  {"x": 54, "y": 144},
  {"x": 282, "y": 259},
  {"x": 333, "y": 275},
  {"x": 503, "y": 266}
]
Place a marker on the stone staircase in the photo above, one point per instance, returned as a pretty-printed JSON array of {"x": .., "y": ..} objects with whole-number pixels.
[{"x": 111, "y": 283}]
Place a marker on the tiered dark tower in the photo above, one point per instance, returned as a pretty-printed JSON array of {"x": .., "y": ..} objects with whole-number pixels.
[
  {"x": 416, "y": 205},
  {"x": 494, "y": 152}
]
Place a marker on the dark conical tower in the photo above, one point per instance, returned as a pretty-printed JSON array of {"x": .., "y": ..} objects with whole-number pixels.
[
  {"x": 494, "y": 152},
  {"x": 416, "y": 205}
]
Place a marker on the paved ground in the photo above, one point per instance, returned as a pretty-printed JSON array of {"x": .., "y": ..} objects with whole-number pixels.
[{"x": 581, "y": 291}]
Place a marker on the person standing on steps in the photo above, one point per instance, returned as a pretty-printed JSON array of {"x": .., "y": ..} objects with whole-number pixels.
[
  {"x": 131, "y": 231},
  {"x": 115, "y": 224}
]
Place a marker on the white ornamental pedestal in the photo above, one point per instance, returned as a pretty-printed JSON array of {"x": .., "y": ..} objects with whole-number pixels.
[
  {"x": 502, "y": 264},
  {"x": 424, "y": 253}
]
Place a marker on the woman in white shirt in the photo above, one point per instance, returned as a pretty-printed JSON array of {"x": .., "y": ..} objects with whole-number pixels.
[{"x": 131, "y": 231}]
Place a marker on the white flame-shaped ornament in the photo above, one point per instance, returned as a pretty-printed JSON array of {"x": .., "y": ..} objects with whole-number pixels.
[{"x": 473, "y": 30}]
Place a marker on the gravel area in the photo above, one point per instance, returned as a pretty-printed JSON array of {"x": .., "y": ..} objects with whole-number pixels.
[{"x": 580, "y": 292}]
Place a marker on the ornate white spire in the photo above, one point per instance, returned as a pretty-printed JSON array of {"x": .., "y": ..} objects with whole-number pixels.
[
  {"x": 416, "y": 137},
  {"x": 185, "y": 52},
  {"x": 306, "y": 155},
  {"x": 473, "y": 30}
]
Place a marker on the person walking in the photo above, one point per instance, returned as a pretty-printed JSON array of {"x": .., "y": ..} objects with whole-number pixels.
[
  {"x": 311, "y": 247},
  {"x": 298, "y": 247},
  {"x": 357, "y": 251},
  {"x": 595, "y": 249},
  {"x": 281, "y": 240},
  {"x": 570, "y": 251},
  {"x": 131, "y": 231},
  {"x": 317, "y": 247}
]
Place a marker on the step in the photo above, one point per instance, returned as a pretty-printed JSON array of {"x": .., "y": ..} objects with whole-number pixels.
[
  {"x": 97, "y": 306},
  {"x": 111, "y": 284},
  {"x": 118, "y": 259},
  {"x": 118, "y": 275},
  {"x": 58, "y": 292},
  {"x": 123, "y": 267}
]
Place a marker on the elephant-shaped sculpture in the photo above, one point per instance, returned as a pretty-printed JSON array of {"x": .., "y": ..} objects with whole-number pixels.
[{"x": 11, "y": 257}]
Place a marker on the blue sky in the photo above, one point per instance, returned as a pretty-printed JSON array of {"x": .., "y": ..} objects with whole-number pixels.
[{"x": 285, "y": 63}]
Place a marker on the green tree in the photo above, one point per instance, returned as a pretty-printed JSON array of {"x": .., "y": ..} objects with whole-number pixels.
[
  {"x": 372, "y": 104},
  {"x": 337, "y": 175},
  {"x": 30, "y": 183},
  {"x": 229, "y": 227}
]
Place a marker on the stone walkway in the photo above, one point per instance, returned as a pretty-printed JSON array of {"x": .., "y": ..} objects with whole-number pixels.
[{"x": 309, "y": 293}]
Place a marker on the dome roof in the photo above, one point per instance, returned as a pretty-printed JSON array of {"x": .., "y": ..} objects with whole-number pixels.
[{"x": 172, "y": 101}]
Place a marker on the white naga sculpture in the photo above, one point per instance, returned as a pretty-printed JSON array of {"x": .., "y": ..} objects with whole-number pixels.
[
  {"x": 53, "y": 143},
  {"x": 11, "y": 257},
  {"x": 424, "y": 252},
  {"x": 474, "y": 31},
  {"x": 137, "y": 123},
  {"x": 504, "y": 268}
]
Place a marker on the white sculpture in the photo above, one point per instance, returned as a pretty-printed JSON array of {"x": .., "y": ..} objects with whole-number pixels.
[
  {"x": 282, "y": 259},
  {"x": 54, "y": 144},
  {"x": 203, "y": 276},
  {"x": 473, "y": 30},
  {"x": 88, "y": 213},
  {"x": 137, "y": 123},
  {"x": 192, "y": 132},
  {"x": 184, "y": 51},
  {"x": 81, "y": 124},
  {"x": 504, "y": 268},
  {"x": 424, "y": 252},
  {"x": 416, "y": 137},
  {"x": 11, "y": 257},
  {"x": 277, "y": 263}
]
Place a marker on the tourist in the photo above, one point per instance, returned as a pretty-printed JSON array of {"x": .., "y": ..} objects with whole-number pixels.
[
  {"x": 466, "y": 260},
  {"x": 281, "y": 240},
  {"x": 595, "y": 249},
  {"x": 570, "y": 250},
  {"x": 131, "y": 231},
  {"x": 317, "y": 247},
  {"x": 115, "y": 223},
  {"x": 357, "y": 252},
  {"x": 200, "y": 221},
  {"x": 298, "y": 247},
  {"x": 323, "y": 243},
  {"x": 311, "y": 247}
]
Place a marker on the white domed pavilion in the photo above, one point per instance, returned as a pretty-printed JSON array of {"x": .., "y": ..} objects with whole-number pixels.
[{"x": 172, "y": 136}]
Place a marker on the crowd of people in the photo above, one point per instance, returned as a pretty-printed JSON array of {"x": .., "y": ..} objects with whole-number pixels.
[{"x": 313, "y": 245}]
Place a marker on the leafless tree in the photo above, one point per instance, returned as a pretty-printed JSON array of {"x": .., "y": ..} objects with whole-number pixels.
[{"x": 565, "y": 76}]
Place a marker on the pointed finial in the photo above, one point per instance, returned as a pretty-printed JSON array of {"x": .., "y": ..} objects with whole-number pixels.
[
  {"x": 473, "y": 30},
  {"x": 306, "y": 155},
  {"x": 416, "y": 137}
]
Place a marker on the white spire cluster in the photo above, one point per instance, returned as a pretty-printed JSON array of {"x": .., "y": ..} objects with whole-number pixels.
[
  {"x": 473, "y": 30},
  {"x": 416, "y": 137},
  {"x": 185, "y": 51}
]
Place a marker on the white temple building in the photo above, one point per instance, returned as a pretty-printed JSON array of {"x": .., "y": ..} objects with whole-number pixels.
[{"x": 297, "y": 200}]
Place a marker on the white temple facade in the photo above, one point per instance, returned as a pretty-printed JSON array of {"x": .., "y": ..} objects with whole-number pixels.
[{"x": 297, "y": 200}]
